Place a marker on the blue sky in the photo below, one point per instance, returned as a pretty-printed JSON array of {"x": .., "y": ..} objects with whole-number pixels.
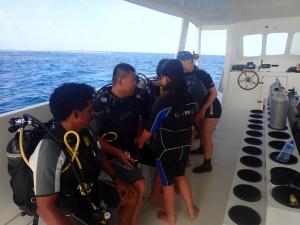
[{"x": 94, "y": 25}]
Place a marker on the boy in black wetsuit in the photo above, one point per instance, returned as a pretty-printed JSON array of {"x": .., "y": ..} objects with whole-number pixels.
[{"x": 171, "y": 119}]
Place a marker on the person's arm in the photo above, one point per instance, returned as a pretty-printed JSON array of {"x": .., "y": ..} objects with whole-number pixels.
[
  {"x": 48, "y": 211},
  {"x": 140, "y": 140},
  {"x": 110, "y": 149},
  {"x": 211, "y": 98},
  {"x": 106, "y": 166}
]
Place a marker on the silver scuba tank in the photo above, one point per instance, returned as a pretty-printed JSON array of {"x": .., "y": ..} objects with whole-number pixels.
[
  {"x": 293, "y": 103},
  {"x": 279, "y": 110},
  {"x": 274, "y": 88}
]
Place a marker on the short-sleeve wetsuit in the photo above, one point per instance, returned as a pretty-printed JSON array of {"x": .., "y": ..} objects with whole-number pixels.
[
  {"x": 47, "y": 164},
  {"x": 174, "y": 136}
]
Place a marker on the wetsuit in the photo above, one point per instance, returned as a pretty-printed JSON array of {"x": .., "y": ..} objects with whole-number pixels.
[
  {"x": 116, "y": 121},
  {"x": 173, "y": 136},
  {"x": 48, "y": 162},
  {"x": 199, "y": 82}
]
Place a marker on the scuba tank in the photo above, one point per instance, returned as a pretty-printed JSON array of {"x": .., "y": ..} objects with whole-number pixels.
[
  {"x": 274, "y": 88},
  {"x": 279, "y": 110},
  {"x": 293, "y": 103}
]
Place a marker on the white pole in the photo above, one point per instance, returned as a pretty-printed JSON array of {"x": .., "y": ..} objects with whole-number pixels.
[{"x": 183, "y": 34}]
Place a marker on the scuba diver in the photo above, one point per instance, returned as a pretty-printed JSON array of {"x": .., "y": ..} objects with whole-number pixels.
[
  {"x": 117, "y": 122},
  {"x": 56, "y": 187},
  {"x": 201, "y": 86},
  {"x": 171, "y": 120}
]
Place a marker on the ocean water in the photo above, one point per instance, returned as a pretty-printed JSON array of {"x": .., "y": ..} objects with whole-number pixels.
[{"x": 28, "y": 78}]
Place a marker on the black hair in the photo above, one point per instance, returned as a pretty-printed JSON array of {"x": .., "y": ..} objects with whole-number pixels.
[
  {"x": 160, "y": 66},
  {"x": 177, "y": 88},
  {"x": 69, "y": 97},
  {"x": 122, "y": 70}
]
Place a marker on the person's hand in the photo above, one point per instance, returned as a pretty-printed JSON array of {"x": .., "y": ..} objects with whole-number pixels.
[
  {"x": 126, "y": 158},
  {"x": 199, "y": 117},
  {"x": 139, "y": 143}
]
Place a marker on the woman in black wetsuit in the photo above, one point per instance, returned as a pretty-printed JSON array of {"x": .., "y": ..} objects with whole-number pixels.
[
  {"x": 201, "y": 86},
  {"x": 171, "y": 120}
]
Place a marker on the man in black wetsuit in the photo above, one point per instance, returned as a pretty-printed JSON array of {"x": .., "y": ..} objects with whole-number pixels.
[
  {"x": 116, "y": 124},
  {"x": 55, "y": 184}
]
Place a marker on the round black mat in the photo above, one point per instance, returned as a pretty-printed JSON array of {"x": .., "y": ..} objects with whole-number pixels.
[
  {"x": 256, "y": 116},
  {"x": 251, "y": 161},
  {"x": 244, "y": 215},
  {"x": 247, "y": 192},
  {"x": 279, "y": 135},
  {"x": 275, "y": 128},
  {"x": 249, "y": 175},
  {"x": 277, "y": 144},
  {"x": 282, "y": 194},
  {"x": 255, "y": 127},
  {"x": 282, "y": 175},
  {"x": 255, "y": 121},
  {"x": 293, "y": 159},
  {"x": 253, "y": 141},
  {"x": 254, "y": 133},
  {"x": 252, "y": 150},
  {"x": 257, "y": 111}
]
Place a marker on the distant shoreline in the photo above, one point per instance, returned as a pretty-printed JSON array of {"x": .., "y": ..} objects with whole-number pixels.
[{"x": 90, "y": 51}]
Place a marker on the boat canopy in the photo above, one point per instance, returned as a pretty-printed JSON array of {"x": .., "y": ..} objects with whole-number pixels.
[{"x": 223, "y": 12}]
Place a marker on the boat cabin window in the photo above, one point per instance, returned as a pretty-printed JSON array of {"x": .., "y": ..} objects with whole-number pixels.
[
  {"x": 276, "y": 43},
  {"x": 252, "y": 45},
  {"x": 295, "y": 47}
]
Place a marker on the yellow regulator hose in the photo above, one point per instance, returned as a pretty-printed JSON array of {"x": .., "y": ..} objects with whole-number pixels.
[{"x": 22, "y": 147}]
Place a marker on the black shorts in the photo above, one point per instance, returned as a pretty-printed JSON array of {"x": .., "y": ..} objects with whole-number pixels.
[
  {"x": 215, "y": 110},
  {"x": 126, "y": 173},
  {"x": 172, "y": 164}
]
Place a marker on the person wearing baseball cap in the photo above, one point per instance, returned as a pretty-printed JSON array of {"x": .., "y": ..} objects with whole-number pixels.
[{"x": 201, "y": 86}]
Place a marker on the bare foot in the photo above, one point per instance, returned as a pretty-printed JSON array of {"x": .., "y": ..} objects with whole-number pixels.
[
  {"x": 162, "y": 216},
  {"x": 156, "y": 202},
  {"x": 194, "y": 214}
]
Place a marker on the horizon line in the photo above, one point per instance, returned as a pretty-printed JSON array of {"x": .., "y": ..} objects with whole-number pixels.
[{"x": 92, "y": 51}]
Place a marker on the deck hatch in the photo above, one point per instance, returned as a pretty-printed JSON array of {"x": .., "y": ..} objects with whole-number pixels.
[
  {"x": 251, "y": 161},
  {"x": 247, "y": 192},
  {"x": 249, "y": 175}
]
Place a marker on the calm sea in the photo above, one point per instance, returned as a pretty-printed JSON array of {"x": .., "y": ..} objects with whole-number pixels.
[{"x": 27, "y": 78}]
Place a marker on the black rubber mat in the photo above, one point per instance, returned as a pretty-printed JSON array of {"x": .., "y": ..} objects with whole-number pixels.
[
  {"x": 251, "y": 161},
  {"x": 255, "y": 121},
  {"x": 293, "y": 159},
  {"x": 253, "y": 141},
  {"x": 255, "y": 126},
  {"x": 254, "y": 133},
  {"x": 247, "y": 192},
  {"x": 244, "y": 215},
  {"x": 287, "y": 196},
  {"x": 282, "y": 175},
  {"x": 277, "y": 144},
  {"x": 257, "y": 111},
  {"x": 249, "y": 175},
  {"x": 252, "y": 150},
  {"x": 279, "y": 135},
  {"x": 256, "y": 116}
]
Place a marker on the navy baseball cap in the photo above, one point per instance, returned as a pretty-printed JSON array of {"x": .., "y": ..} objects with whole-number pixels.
[{"x": 185, "y": 55}]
